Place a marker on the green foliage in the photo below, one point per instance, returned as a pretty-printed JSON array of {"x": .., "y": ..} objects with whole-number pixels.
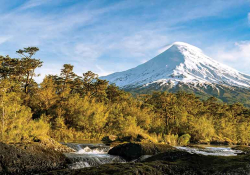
[
  {"x": 21, "y": 70},
  {"x": 171, "y": 139},
  {"x": 16, "y": 119},
  {"x": 184, "y": 139}
]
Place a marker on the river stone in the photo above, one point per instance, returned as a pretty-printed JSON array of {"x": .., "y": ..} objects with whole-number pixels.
[{"x": 131, "y": 151}]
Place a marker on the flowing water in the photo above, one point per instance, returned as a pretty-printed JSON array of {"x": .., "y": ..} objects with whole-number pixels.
[
  {"x": 89, "y": 155},
  {"x": 211, "y": 150},
  {"x": 95, "y": 154}
]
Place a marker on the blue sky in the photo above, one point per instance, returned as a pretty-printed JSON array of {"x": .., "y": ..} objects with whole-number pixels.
[{"x": 107, "y": 36}]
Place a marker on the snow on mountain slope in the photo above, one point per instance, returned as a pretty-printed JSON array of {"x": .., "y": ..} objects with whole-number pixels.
[{"x": 181, "y": 62}]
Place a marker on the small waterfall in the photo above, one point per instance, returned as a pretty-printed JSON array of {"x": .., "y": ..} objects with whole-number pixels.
[
  {"x": 97, "y": 150},
  {"x": 89, "y": 155},
  {"x": 78, "y": 165},
  {"x": 82, "y": 161},
  {"x": 78, "y": 147}
]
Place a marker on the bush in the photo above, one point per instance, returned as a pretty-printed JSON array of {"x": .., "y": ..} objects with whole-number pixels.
[
  {"x": 184, "y": 139},
  {"x": 171, "y": 139}
]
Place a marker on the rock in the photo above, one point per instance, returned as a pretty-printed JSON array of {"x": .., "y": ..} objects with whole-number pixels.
[
  {"x": 202, "y": 164},
  {"x": 109, "y": 139},
  {"x": 131, "y": 151},
  {"x": 171, "y": 155},
  {"x": 221, "y": 143},
  {"x": 50, "y": 143},
  {"x": 156, "y": 168},
  {"x": 244, "y": 149},
  {"x": 29, "y": 159},
  {"x": 112, "y": 137}
]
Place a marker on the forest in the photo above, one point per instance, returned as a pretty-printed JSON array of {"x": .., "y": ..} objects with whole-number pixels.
[{"x": 71, "y": 107}]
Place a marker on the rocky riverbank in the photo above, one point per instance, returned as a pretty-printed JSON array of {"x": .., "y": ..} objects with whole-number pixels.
[
  {"x": 46, "y": 157},
  {"x": 32, "y": 158}
]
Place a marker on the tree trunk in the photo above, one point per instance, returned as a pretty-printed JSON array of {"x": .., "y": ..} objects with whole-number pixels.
[
  {"x": 27, "y": 83},
  {"x": 3, "y": 116}
]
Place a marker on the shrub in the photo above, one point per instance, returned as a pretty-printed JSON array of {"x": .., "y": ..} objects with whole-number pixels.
[{"x": 184, "y": 139}]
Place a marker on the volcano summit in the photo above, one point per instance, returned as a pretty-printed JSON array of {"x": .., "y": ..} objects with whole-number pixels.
[{"x": 180, "y": 63}]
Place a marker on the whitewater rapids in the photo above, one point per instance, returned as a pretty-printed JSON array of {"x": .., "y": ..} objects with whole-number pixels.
[{"x": 90, "y": 155}]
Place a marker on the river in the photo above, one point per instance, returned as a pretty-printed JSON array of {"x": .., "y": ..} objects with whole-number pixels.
[
  {"x": 96, "y": 153},
  {"x": 89, "y": 155}
]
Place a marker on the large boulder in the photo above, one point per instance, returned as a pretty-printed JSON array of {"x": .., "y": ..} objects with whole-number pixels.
[
  {"x": 131, "y": 151},
  {"x": 29, "y": 159}
]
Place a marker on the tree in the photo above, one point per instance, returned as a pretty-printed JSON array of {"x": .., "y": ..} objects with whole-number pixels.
[
  {"x": 45, "y": 97},
  {"x": 28, "y": 65},
  {"x": 165, "y": 105},
  {"x": 88, "y": 79},
  {"x": 9, "y": 68},
  {"x": 114, "y": 94},
  {"x": 67, "y": 74},
  {"x": 100, "y": 87}
]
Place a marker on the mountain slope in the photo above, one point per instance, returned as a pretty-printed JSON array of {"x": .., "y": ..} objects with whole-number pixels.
[
  {"x": 181, "y": 62},
  {"x": 183, "y": 67}
]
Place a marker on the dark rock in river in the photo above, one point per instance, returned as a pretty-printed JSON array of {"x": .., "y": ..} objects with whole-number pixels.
[
  {"x": 244, "y": 149},
  {"x": 131, "y": 151},
  {"x": 29, "y": 159},
  {"x": 109, "y": 139},
  {"x": 201, "y": 164}
]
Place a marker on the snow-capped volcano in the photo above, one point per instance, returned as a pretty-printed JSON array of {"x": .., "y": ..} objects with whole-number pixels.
[{"x": 180, "y": 63}]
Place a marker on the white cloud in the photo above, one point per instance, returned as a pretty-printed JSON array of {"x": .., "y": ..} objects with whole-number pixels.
[
  {"x": 240, "y": 51},
  {"x": 3, "y": 39},
  {"x": 237, "y": 56},
  {"x": 143, "y": 44},
  {"x": 164, "y": 48},
  {"x": 101, "y": 71},
  {"x": 32, "y": 4},
  {"x": 46, "y": 69},
  {"x": 87, "y": 52}
]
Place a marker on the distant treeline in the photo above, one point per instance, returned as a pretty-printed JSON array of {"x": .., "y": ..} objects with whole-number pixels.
[{"x": 70, "y": 107}]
